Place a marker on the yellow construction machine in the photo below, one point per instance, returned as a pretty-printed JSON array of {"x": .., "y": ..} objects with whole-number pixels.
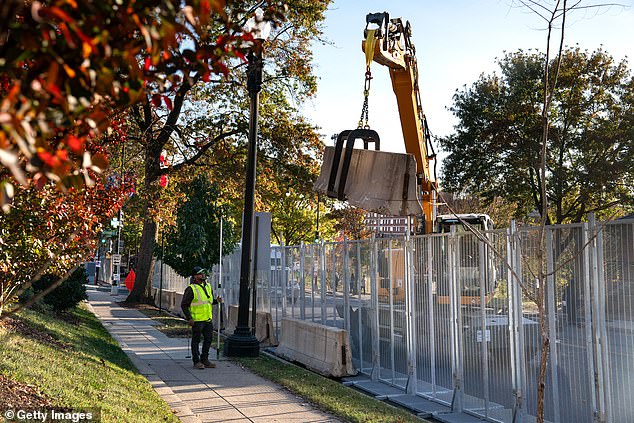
[
  {"x": 382, "y": 182},
  {"x": 393, "y": 183}
]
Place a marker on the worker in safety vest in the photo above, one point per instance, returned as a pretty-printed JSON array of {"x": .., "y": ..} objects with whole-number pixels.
[{"x": 196, "y": 305}]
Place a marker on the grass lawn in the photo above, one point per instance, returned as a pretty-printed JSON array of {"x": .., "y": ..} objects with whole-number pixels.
[
  {"x": 74, "y": 362},
  {"x": 328, "y": 395}
]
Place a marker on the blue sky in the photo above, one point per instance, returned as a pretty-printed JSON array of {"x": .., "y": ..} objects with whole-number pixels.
[{"x": 455, "y": 42}]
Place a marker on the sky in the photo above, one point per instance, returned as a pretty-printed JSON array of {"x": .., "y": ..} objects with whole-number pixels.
[{"x": 456, "y": 41}]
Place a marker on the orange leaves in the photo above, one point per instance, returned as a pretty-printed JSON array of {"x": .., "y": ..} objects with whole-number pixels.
[
  {"x": 57, "y": 12},
  {"x": 69, "y": 71},
  {"x": 87, "y": 49},
  {"x": 48, "y": 158},
  {"x": 75, "y": 144},
  {"x": 46, "y": 222},
  {"x": 100, "y": 160},
  {"x": 67, "y": 35},
  {"x": 205, "y": 8},
  {"x": 67, "y": 63}
]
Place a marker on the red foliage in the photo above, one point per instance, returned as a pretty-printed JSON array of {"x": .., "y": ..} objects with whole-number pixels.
[
  {"x": 59, "y": 60},
  {"x": 47, "y": 224}
]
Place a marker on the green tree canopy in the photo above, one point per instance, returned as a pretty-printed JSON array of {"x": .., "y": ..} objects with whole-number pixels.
[
  {"x": 195, "y": 239},
  {"x": 206, "y": 124},
  {"x": 590, "y": 149}
]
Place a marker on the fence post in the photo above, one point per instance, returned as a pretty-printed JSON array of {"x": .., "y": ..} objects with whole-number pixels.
[
  {"x": 598, "y": 323},
  {"x": 456, "y": 323},
  {"x": 374, "y": 295},
  {"x": 322, "y": 264},
  {"x": 290, "y": 286},
  {"x": 515, "y": 323},
  {"x": 587, "y": 305},
  {"x": 430, "y": 310},
  {"x": 346, "y": 286},
  {"x": 283, "y": 278},
  {"x": 551, "y": 298},
  {"x": 314, "y": 271},
  {"x": 360, "y": 307},
  {"x": 391, "y": 309},
  {"x": 603, "y": 328},
  {"x": 410, "y": 308},
  {"x": 485, "y": 336},
  {"x": 302, "y": 282},
  {"x": 335, "y": 282}
]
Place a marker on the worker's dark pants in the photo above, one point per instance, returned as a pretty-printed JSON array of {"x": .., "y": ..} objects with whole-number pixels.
[{"x": 204, "y": 329}]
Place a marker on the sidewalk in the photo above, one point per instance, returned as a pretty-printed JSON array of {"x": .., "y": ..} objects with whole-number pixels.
[{"x": 228, "y": 393}]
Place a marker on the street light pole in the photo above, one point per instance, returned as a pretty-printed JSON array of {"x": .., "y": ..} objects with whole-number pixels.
[
  {"x": 242, "y": 343},
  {"x": 317, "y": 231}
]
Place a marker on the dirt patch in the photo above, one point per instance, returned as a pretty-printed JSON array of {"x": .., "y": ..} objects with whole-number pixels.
[
  {"x": 171, "y": 325},
  {"x": 17, "y": 326},
  {"x": 137, "y": 306},
  {"x": 176, "y": 332},
  {"x": 17, "y": 395}
]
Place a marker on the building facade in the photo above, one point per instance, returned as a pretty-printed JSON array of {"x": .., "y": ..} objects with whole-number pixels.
[{"x": 383, "y": 226}]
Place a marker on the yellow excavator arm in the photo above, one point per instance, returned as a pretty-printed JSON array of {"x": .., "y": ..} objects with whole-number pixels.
[
  {"x": 388, "y": 42},
  {"x": 383, "y": 182}
]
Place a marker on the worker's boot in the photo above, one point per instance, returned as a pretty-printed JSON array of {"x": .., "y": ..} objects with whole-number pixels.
[
  {"x": 208, "y": 364},
  {"x": 199, "y": 365}
]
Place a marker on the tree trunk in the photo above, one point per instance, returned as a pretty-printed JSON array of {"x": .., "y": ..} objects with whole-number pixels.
[
  {"x": 543, "y": 363},
  {"x": 142, "y": 291}
]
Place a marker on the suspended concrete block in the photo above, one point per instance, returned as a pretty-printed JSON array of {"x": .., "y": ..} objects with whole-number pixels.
[{"x": 375, "y": 181}]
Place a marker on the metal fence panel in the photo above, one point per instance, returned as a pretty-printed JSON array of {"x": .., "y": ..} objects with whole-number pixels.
[
  {"x": 432, "y": 321},
  {"x": 466, "y": 333},
  {"x": 569, "y": 381},
  {"x": 618, "y": 259}
]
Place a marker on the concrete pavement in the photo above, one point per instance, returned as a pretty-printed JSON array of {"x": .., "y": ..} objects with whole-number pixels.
[{"x": 228, "y": 393}]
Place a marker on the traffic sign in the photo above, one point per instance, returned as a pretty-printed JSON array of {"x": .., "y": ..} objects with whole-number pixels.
[{"x": 116, "y": 259}]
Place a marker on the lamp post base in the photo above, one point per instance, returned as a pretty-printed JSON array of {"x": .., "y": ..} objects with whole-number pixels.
[{"x": 242, "y": 344}]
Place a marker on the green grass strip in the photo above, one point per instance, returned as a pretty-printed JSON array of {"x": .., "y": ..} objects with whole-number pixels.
[
  {"x": 329, "y": 395},
  {"x": 90, "y": 372}
]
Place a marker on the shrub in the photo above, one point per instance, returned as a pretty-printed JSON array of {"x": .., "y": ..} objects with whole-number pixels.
[{"x": 66, "y": 296}]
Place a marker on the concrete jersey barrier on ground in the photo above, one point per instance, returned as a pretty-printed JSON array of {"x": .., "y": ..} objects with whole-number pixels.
[
  {"x": 323, "y": 349},
  {"x": 264, "y": 329}
]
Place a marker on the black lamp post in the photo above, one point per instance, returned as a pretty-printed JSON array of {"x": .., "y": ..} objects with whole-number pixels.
[
  {"x": 242, "y": 343},
  {"x": 317, "y": 231}
]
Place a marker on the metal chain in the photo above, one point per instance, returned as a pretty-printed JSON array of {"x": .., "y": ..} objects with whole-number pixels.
[{"x": 363, "y": 120}]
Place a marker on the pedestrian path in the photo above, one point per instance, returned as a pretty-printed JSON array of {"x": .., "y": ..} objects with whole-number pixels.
[{"x": 228, "y": 393}]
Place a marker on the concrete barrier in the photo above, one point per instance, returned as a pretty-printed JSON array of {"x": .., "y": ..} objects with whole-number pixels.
[
  {"x": 264, "y": 329},
  {"x": 169, "y": 300},
  {"x": 323, "y": 349}
]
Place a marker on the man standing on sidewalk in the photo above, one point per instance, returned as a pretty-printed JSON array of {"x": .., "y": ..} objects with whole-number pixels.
[{"x": 196, "y": 306}]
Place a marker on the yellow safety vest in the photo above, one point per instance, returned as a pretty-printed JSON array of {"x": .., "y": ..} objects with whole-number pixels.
[{"x": 200, "y": 307}]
